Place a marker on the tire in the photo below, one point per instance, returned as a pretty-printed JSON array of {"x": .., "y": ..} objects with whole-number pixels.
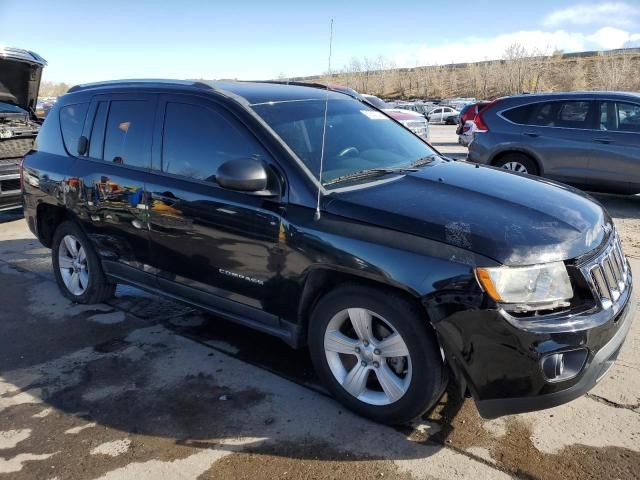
[
  {"x": 518, "y": 162},
  {"x": 93, "y": 286},
  {"x": 414, "y": 382}
]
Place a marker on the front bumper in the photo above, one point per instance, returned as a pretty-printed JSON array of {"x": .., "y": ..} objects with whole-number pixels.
[
  {"x": 593, "y": 371},
  {"x": 501, "y": 364}
]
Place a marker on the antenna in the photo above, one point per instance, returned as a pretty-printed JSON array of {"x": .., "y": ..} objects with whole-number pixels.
[{"x": 324, "y": 127}]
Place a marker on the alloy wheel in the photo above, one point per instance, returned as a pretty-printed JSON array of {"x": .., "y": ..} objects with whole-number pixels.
[
  {"x": 72, "y": 262},
  {"x": 515, "y": 167},
  {"x": 367, "y": 356}
]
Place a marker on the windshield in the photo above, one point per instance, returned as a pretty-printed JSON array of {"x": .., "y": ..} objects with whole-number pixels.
[{"x": 358, "y": 138}]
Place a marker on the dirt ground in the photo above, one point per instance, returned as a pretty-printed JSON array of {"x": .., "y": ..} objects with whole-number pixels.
[{"x": 144, "y": 388}]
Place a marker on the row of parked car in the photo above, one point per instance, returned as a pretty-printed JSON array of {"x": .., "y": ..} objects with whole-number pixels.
[{"x": 434, "y": 113}]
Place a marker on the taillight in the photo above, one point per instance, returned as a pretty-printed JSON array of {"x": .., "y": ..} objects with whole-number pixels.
[{"x": 481, "y": 126}]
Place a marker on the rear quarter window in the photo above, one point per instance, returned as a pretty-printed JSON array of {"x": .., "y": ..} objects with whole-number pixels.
[
  {"x": 519, "y": 115},
  {"x": 71, "y": 123}
]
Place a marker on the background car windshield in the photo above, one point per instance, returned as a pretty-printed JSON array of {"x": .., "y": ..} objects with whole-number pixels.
[{"x": 358, "y": 137}]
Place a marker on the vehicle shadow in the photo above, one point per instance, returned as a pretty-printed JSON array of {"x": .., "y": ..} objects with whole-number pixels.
[{"x": 175, "y": 378}]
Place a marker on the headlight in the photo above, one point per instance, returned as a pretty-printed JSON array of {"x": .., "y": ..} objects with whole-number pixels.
[
  {"x": 537, "y": 284},
  {"x": 4, "y": 133}
]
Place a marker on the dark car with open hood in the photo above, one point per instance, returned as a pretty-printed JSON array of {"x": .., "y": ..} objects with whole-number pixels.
[
  {"x": 20, "y": 74},
  {"x": 311, "y": 215}
]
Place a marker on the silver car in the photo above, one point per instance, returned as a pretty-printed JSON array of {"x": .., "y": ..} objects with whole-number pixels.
[
  {"x": 588, "y": 139},
  {"x": 446, "y": 115}
]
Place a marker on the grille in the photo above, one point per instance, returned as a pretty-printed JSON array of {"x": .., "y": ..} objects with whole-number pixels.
[
  {"x": 607, "y": 274},
  {"x": 15, "y": 147},
  {"x": 9, "y": 185},
  {"x": 418, "y": 127}
]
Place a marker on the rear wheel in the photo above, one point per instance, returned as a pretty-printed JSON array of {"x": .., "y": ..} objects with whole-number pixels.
[
  {"x": 518, "y": 162},
  {"x": 77, "y": 268},
  {"x": 376, "y": 356}
]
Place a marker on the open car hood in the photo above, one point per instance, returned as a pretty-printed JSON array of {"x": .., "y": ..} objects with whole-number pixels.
[{"x": 20, "y": 75}]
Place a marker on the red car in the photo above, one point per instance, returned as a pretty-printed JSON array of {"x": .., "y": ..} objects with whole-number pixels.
[{"x": 469, "y": 113}]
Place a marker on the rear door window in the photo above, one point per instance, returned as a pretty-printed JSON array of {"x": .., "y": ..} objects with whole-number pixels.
[
  {"x": 128, "y": 134},
  {"x": 574, "y": 114},
  {"x": 198, "y": 139},
  {"x": 71, "y": 123},
  {"x": 566, "y": 114}
]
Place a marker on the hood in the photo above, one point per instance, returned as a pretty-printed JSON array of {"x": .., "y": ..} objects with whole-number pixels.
[
  {"x": 511, "y": 218},
  {"x": 20, "y": 75}
]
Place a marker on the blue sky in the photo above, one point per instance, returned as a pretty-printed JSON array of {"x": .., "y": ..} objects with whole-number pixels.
[{"x": 89, "y": 41}]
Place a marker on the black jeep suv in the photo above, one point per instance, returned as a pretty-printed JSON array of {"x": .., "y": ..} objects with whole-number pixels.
[
  {"x": 20, "y": 73},
  {"x": 393, "y": 265}
]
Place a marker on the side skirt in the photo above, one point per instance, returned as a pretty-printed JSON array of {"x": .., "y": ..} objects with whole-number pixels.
[{"x": 225, "y": 308}]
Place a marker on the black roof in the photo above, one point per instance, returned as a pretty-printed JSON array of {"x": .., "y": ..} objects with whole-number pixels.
[
  {"x": 251, "y": 92},
  {"x": 264, "y": 92}
]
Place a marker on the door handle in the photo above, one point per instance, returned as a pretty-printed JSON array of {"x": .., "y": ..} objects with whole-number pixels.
[
  {"x": 603, "y": 140},
  {"x": 529, "y": 133}
]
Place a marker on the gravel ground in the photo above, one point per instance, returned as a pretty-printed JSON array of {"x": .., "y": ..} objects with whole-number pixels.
[{"x": 144, "y": 388}]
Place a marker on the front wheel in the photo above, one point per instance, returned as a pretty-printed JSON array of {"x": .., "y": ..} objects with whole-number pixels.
[
  {"x": 77, "y": 268},
  {"x": 376, "y": 356}
]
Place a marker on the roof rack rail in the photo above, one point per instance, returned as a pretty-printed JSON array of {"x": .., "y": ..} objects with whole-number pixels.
[
  {"x": 135, "y": 82},
  {"x": 292, "y": 82},
  {"x": 334, "y": 88}
]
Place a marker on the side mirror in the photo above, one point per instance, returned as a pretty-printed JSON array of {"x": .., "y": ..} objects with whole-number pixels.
[{"x": 243, "y": 174}]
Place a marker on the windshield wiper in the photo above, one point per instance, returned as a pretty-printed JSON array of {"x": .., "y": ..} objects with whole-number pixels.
[{"x": 369, "y": 172}]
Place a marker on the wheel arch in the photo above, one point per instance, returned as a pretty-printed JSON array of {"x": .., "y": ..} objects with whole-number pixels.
[
  {"x": 48, "y": 218},
  {"x": 321, "y": 280},
  {"x": 523, "y": 151}
]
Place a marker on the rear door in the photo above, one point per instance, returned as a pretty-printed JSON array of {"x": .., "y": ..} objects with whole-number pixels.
[
  {"x": 561, "y": 134},
  {"x": 113, "y": 174},
  {"x": 212, "y": 245},
  {"x": 615, "y": 160},
  {"x": 436, "y": 116}
]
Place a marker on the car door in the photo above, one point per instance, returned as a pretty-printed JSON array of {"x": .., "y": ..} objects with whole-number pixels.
[
  {"x": 112, "y": 172},
  {"x": 436, "y": 116},
  {"x": 215, "y": 246},
  {"x": 615, "y": 159},
  {"x": 561, "y": 133}
]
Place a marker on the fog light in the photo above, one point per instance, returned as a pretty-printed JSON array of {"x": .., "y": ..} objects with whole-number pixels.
[{"x": 563, "y": 366}]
